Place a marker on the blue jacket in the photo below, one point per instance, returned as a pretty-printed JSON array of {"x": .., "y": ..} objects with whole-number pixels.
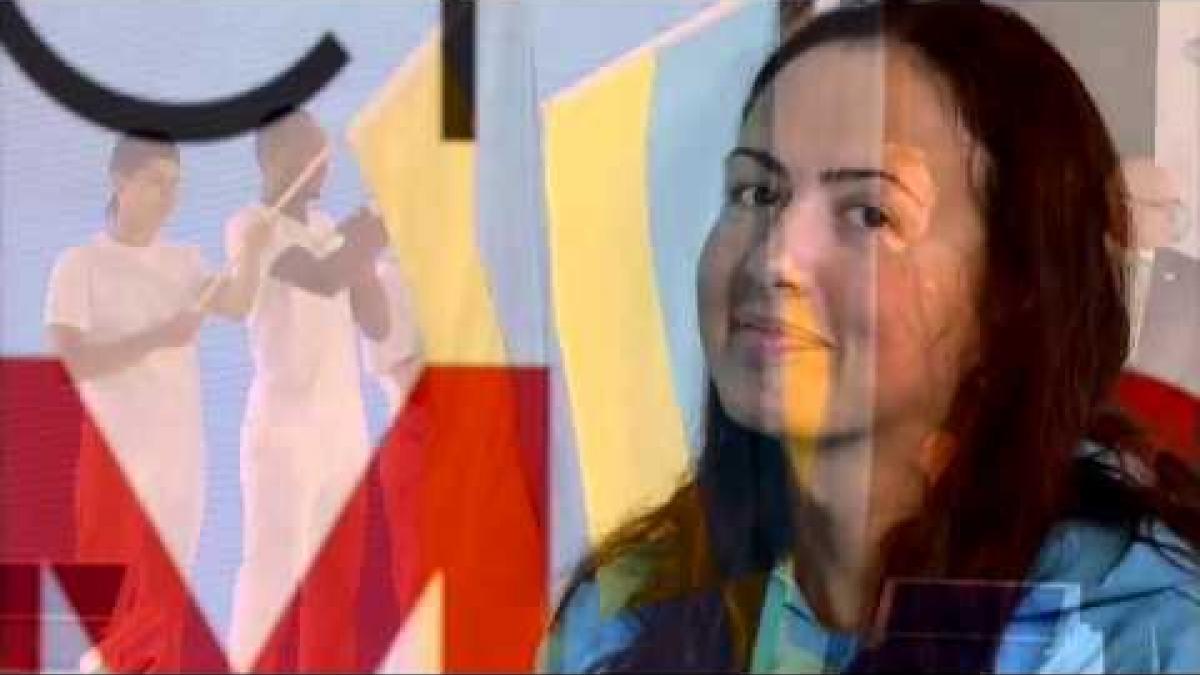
[{"x": 1115, "y": 606}]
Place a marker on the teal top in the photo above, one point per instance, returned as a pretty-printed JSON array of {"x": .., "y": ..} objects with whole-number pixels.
[{"x": 1114, "y": 606}]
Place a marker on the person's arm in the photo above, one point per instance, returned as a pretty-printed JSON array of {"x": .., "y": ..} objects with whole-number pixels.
[
  {"x": 69, "y": 318},
  {"x": 234, "y": 295},
  {"x": 87, "y": 358},
  {"x": 396, "y": 358},
  {"x": 369, "y": 305},
  {"x": 363, "y": 239}
]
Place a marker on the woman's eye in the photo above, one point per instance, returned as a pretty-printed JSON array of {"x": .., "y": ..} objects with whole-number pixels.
[
  {"x": 868, "y": 216},
  {"x": 754, "y": 195}
]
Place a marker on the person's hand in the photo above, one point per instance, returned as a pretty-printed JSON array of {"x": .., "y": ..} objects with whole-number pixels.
[
  {"x": 257, "y": 232},
  {"x": 179, "y": 330},
  {"x": 365, "y": 228}
]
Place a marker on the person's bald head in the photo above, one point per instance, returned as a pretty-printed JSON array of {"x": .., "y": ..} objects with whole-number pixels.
[
  {"x": 285, "y": 148},
  {"x": 1155, "y": 204}
]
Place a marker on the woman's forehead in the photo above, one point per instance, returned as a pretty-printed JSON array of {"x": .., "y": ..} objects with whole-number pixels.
[{"x": 854, "y": 104}]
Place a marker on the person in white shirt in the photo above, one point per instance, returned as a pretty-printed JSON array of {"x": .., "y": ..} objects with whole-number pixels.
[
  {"x": 395, "y": 359},
  {"x": 123, "y": 312},
  {"x": 1159, "y": 220},
  {"x": 304, "y": 435}
]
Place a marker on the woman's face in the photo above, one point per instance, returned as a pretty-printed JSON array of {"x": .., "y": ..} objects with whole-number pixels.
[
  {"x": 837, "y": 290},
  {"x": 145, "y": 198}
]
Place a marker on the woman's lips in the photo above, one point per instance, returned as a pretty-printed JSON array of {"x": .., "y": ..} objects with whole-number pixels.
[{"x": 773, "y": 338}]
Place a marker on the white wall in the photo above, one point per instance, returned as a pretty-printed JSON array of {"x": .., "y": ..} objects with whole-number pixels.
[
  {"x": 1177, "y": 128},
  {"x": 1111, "y": 43}
]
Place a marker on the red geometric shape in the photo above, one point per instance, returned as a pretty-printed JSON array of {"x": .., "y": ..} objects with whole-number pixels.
[
  {"x": 461, "y": 482},
  {"x": 461, "y": 476},
  {"x": 471, "y": 461},
  {"x": 20, "y": 617},
  {"x": 1170, "y": 414},
  {"x": 40, "y": 418}
]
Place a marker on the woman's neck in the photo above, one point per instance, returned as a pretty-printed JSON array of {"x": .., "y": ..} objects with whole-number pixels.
[
  {"x": 862, "y": 489},
  {"x": 126, "y": 235}
]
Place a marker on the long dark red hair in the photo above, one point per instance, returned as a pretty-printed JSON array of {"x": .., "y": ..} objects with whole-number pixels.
[{"x": 1054, "y": 336}]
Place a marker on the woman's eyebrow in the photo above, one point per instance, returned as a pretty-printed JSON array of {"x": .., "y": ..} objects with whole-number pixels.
[
  {"x": 842, "y": 175},
  {"x": 764, "y": 158},
  {"x": 848, "y": 174}
]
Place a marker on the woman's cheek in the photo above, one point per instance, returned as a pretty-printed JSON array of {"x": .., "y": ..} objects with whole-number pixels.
[
  {"x": 725, "y": 249},
  {"x": 923, "y": 324},
  {"x": 849, "y": 291},
  {"x": 892, "y": 339}
]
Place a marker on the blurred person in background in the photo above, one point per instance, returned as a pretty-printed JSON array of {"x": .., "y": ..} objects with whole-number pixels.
[
  {"x": 304, "y": 444},
  {"x": 124, "y": 311}
]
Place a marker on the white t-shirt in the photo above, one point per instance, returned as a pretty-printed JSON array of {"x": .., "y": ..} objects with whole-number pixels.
[
  {"x": 403, "y": 341},
  {"x": 150, "y": 412},
  {"x": 306, "y": 386}
]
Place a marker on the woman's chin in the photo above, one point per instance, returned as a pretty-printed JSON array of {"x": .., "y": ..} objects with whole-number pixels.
[
  {"x": 797, "y": 423},
  {"x": 764, "y": 407},
  {"x": 773, "y": 418}
]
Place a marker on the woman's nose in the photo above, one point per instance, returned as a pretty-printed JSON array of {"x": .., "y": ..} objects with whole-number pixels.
[{"x": 792, "y": 246}]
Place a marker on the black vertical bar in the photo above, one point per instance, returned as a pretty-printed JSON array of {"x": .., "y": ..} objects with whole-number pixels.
[{"x": 458, "y": 70}]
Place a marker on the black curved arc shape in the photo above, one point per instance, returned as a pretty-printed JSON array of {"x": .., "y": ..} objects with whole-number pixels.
[{"x": 205, "y": 121}]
